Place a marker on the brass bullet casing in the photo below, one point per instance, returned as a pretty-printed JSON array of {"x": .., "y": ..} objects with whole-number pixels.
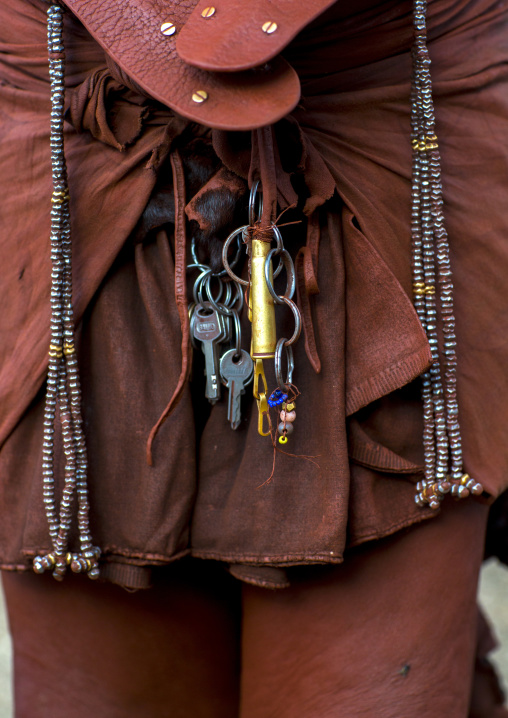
[{"x": 264, "y": 337}]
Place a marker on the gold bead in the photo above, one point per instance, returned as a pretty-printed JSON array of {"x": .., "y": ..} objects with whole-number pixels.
[
  {"x": 199, "y": 96},
  {"x": 208, "y": 11},
  {"x": 168, "y": 28},
  {"x": 60, "y": 197},
  {"x": 269, "y": 27}
]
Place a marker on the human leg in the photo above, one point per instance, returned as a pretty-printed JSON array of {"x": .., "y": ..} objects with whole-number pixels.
[
  {"x": 86, "y": 649},
  {"x": 391, "y": 633}
]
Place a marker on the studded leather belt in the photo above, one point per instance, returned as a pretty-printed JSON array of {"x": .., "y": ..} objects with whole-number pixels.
[{"x": 218, "y": 65}]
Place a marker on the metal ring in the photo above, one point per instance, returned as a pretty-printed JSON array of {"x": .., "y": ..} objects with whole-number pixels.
[
  {"x": 231, "y": 264},
  {"x": 227, "y": 307},
  {"x": 298, "y": 322},
  {"x": 193, "y": 251},
  {"x": 282, "y": 344},
  {"x": 254, "y": 191},
  {"x": 225, "y": 262},
  {"x": 285, "y": 259},
  {"x": 280, "y": 249},
  {"x": 221, "y": 307},
  {"x": 238, "y": 333},
  {"x": 202, "y": 267},
  {"x": 278, "y": 239},
  {"x": 192, "y": 321},
  {"x": 197, "y": 284},
  {"x": 239, "y": 298},
  {"x": 196, "y": 289},
  {"x": 214, "y": 301},
  {"x": 198, "y": 264}
]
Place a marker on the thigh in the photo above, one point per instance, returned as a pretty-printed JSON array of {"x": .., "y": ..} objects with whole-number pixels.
[
  {"x": 391, "y": 633},
  {"x": 83, "y": 649}
]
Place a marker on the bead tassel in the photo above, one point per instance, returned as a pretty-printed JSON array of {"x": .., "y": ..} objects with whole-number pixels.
[
  {"x": 63, "y": 394},
  {"x": 431, "y": 263}
]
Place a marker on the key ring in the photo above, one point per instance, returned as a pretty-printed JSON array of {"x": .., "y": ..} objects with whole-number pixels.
[
  {"x": 225, "y": 248},
  {"x": 287, "y": 262},
  {"x": 238, "y": 334},
  {"x": 214, "y": 301},
  {"x": 198, "y": 265},
  {"x": 231, "y": 264},
  {"x": 298, "y": 322},
  {"x": 226, "y": 308},
  {"x": 196, "y": 289},
  {"x": 255, "y": 190},
  {"x": 282, "y": 344}
]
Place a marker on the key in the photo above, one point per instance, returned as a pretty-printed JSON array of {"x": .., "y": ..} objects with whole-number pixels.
[
  {"x": 206, "y": 307},
  {"x": 236, "y": 375},
  {"x": 208, "y": 328}
]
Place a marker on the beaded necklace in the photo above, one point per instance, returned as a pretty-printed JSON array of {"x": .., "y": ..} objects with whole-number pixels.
[
  {"x": 431, "y": 265},
  {"x": 63, "y": 391},
  {"x": 431, "y": 261}
]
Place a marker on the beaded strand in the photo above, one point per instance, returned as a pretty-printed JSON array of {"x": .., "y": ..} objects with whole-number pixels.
[
  {"x": 63, "y": 394},
  {"x": 444, "y": 471}
]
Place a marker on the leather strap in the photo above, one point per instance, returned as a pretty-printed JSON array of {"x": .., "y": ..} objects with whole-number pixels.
[
  {"x": 131, "y": 34},
  {"x": 242, "y": 34}
]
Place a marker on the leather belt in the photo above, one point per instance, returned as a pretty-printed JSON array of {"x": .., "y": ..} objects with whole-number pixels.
[{"x": 217, "y": 64}]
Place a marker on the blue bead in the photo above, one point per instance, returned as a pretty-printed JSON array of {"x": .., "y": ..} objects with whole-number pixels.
[{"x": 277, "y": 397}]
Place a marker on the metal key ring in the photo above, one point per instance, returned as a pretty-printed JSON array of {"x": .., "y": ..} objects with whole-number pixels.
[
  {"x": 207, "y": 283},
  {"x": 239, "y": 298},
  {"x": 231, "y": 264},
  {"x": 193, "y": 251},
  {"x": 282, "y": 344},
  {"x": 224, "y": 307},
  {"x": 196, "y": 289},
  {"x": 225, "y": 261},
  {"x": 279, "y": 248},
  {"x": 254, "y": 191},
  {"x": 298, "y": 322},
  {"x": 238, "y": 334},
  {"x": 202, "y": 267},
  {"x": 286, "y": 260},
  {"x": 197, "y": 264},
  {"x": 192, "y": 321}
]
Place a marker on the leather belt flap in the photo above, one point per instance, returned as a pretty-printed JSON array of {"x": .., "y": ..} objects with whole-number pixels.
[
  {"x": 235, "y": 35},
  {"x": 141, "y": 37}
]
